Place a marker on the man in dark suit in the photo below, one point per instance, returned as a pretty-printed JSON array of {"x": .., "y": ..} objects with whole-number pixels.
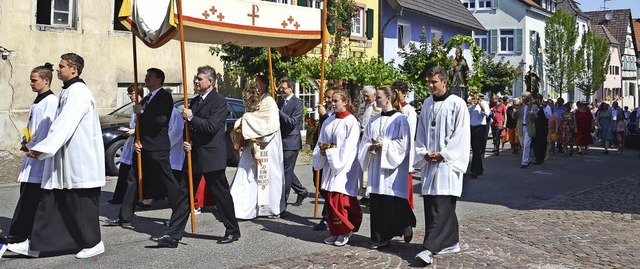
[
  {"x": 154, "y": 112},
  {"x": 207, "y": 116},
  {"x": 290, "y": 115}
]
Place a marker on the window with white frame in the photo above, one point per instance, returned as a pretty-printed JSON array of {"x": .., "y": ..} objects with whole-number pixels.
[
  {"x": 436, "y": 34},
  {"x": 482, "y": 41},
  {"x": 404, "y": 34},
  {"x": 316, "y": 3},
  {"x": 478, "y": 4},
  {"x": 357, "y": 23},
  {"x": 56, "y": 13},
  {"x": 507, "y": 40},
  {"x": 283, "y": 1}
]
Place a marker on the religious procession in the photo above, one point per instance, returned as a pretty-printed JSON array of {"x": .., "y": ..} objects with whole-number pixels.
[{"x": 370, "y": 146}]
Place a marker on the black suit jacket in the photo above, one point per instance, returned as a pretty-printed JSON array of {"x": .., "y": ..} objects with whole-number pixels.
[
  {"x": 207, "y": 129},
  {"x": 154, "y": 122},
  {"x": 290, "y": 117}
]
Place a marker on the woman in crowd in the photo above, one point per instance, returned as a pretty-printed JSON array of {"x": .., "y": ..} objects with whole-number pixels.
[
  {"x": 384, "y": 150},
  {"x": 619, "y": 125},
  {"x": 335, "y": 153},
  {"x": 566, "y": 129},
  {"x": 512, "y": 123},
  {"x": 604, "y": 122},
  {"x": 584, "y": 125}
]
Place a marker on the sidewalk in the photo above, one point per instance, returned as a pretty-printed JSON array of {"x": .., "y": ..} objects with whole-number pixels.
[{"x": 602, "y": 230}]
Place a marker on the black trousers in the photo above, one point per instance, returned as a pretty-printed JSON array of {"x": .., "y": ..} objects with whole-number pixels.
[
  {"x": 390, "y": 215},
  {"x": 67, "y": 220},
  {"x": 478, "y": 142},
  {"x": 290, "y": 178},
  {"x": 323, "y": 194},
  {"x": 441, "y": 222},
  {"x": 539, "y": 144},
  {"x": 496, "y": 131},
  {"x": 121, "y": 184},
  {"x": 219, "y": 187},
  {"x": 22, "y": 221},
  {"x": 155, "y": 164}
]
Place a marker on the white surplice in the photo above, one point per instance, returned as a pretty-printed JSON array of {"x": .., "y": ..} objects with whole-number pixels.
[
  {"x": 73, "y": 148},
  {"x": 249, "y": 200},
  {"x": 338, "y": 163},
  {"x": 451, "y": 136},
  {"x": 412, "y": 118},
  {"x": 41, "y": 115},
  {"x": 387, "y": 168}
]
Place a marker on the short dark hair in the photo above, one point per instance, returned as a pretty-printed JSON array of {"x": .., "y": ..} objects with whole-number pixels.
[
  {"x": 287, "y": 80},
  {"x": 74, "y": 60},
  {"x": 131, "y": 88},
  {"x": 158, "y": 73},
  {"x": 262, "y": 79},
  {"x": 438, "y": 70},
  {"x": 401, "y": 86},
  {"x": 44, "y": 71}
]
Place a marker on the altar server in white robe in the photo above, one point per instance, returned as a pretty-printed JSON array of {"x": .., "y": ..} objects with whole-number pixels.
[
  {"x": 258, "y": 131},
  {"x": 384, "y": 153},
  {"x": 74, "y": 172},
  {"x": 41, "y": 115},
  {"x": 335, "y": 153},
  {"x": 443, "y": 141},
  {"x": 409, "y": 112}
]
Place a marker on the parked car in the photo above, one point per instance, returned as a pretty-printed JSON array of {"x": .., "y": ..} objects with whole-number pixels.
[{"x": 115, "y": 124}]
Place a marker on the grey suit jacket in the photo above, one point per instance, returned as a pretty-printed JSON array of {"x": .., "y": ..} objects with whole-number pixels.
[
  {"x": 290, "y": 118},
  {"x": 532, "y": 114}
]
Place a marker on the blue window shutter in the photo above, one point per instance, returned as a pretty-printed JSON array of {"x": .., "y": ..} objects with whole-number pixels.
[
  {"x": 369, "y": 22},
  {"x": 493, "y": 45},
  {"x": 518, "y": 45}
]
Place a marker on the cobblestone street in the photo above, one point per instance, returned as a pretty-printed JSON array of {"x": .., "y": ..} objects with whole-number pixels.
[{"x": 597, "y": 228}]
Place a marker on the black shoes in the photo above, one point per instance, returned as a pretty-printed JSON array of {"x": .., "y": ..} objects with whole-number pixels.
[
  {"x": 322, "y": 226},
  {"x": 117, "y": 222},
  {"x": 524, "y": 166},
  {"x": 229, "y": 238},
  {"x": 473, "y": 176},
  {"x": 408, "y": 234},
  {"x": 165, "y": 241},
  {"x": 364, "y": 201},
  {"x": 299, "y": 200}
]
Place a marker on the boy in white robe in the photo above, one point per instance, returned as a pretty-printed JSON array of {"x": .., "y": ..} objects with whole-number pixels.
[
  {"x": 41, "y": 115},
  {"x": 335, "y": 153},
  {"x": 384, "y": 152},
  {"x": 259, "y": 132},
  {"x": 67, "y": 217},
  {"x": 443, "y": 141},
  {"x": 412, "y": 118}
]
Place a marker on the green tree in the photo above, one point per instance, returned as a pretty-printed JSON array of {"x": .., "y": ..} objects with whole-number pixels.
[
  {"x": 497, "y": 75},
  {"x": 560, "y": 63},
  {"x": 593, "y": 57}
]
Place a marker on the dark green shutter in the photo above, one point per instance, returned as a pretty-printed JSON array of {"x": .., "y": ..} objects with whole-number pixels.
[
  {"x": 495, "y": 4},
  {"x": 518, "y": 39},
  {"x": 303, "y": 3},
  {"x": 369, "y": 23},
  {"x": 493, "y": 45}
]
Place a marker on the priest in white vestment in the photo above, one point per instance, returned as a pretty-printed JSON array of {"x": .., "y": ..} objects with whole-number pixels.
[
  {"x": 74, "y": 172},
  {"x": 384, "y": 153},
  {"x": 258, "y": 186},
  {"x": 443, "y": 141}
]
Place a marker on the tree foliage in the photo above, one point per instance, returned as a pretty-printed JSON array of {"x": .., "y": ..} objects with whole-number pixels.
[
  {"x": 497, "y": 76},
  {"x": 593, "y": 57},
  {"x": 418, "y": 59},
  {"x": 560, "y": 63}
]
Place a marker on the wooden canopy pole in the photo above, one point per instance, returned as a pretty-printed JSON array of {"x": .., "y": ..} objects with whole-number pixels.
[
  {"x": 271, "y": 82},
  {"x": 322, "y": 63},
  {"x": 136, "y": 101},
  {"x": 186, "y": 123}
]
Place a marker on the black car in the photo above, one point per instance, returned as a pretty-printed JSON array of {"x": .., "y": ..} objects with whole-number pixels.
[{"x": 115, "y": 124}]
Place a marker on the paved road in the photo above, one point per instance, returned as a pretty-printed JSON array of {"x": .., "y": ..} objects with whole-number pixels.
[{"x": 557, "y": 215}]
